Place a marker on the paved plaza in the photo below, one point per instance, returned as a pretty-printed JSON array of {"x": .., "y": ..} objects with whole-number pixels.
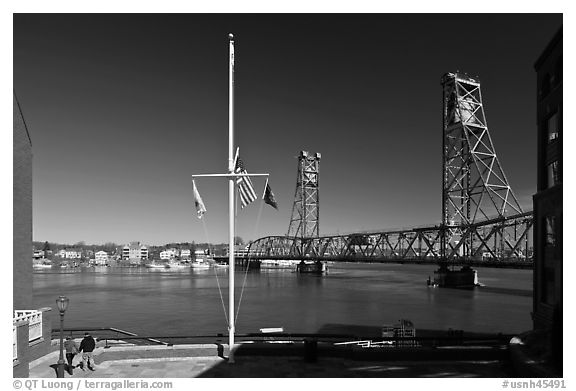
[{"x": 204, "y": 361}]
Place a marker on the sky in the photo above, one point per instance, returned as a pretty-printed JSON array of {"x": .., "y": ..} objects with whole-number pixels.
[{"x": 123, "y": 108}]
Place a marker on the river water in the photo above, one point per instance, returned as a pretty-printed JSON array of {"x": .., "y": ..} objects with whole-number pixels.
[{"x": 188, "y": 301}]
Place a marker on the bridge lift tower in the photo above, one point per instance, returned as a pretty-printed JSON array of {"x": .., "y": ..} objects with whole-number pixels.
[
  {"x": 474, "y": 185},
  {"x": 305, "y": 220}
]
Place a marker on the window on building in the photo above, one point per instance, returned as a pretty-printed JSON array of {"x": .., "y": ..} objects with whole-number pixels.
[
  {"x": 558, "y": 71},
  {"x": 545, "y": 86},
  {"x": 552, "y": 174},
  {"x": 552, "y": 127},
  {"x": 550, "y": 231},
  {"x": 548, "y": 285}
]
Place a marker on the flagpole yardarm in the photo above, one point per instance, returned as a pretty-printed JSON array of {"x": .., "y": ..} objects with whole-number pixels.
[{"x": 231, "y": 175}]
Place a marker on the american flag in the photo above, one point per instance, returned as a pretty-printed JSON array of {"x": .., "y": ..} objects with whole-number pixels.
[
  {"x": 200, "y": 208},
  {"x": 245, "y": 188}
]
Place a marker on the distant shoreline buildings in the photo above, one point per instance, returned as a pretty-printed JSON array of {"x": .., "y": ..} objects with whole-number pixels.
[{"x": 132, "y": 254}]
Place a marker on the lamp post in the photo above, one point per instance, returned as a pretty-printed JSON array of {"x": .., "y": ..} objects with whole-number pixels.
[{"x": 62, "y": 303}]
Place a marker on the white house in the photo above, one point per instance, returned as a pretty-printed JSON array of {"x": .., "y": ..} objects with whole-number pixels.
[
  {"x": 135, "y": 250},
  {"x": 185, "y": 253},
  {"x": 70, "y": 254},
  {"x": 101, "y": 258},
  {"x": 168, "y": 254}
]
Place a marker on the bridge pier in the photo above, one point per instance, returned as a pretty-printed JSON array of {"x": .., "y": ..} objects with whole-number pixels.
[
  {"x": 317, "y": 267},
  {"x": 466, "y": 277},
  {"x": 243, "y": 263}
]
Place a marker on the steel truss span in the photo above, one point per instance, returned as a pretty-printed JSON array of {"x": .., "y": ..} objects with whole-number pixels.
[
  {"x": 482, "y": 222},
  {"x": 498, "y": 242}
]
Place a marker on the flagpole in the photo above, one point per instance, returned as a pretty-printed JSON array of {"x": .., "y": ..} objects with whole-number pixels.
[
  {"x": 231, "y": 200},
  {"x": 232, "y": 177},
  {"x": 263, "y": 194}
]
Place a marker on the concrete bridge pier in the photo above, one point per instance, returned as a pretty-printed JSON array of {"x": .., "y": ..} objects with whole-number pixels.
[
  {"x": 316, "y": 267},
  {"x": 466, "y": 277},
  {"x": 243, "y": 263}
]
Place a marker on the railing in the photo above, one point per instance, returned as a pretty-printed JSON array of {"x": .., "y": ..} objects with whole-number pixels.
[
  {"x": 109, "y": 334},
  {"x": 335, "y": 339},
  {"x": 15, "y": 342},
  {"x": 34, "y": 319}
]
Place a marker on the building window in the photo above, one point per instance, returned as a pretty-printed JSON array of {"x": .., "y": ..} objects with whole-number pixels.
[
  {"x": 545, "y": 87},
  {"x": 549, "y": 231},
  {"x": 552, "y": 174},
  {"x": 552, "y": 127},
  {"x": 548, "y": 282},
  {"x": 558, "y": 71}
]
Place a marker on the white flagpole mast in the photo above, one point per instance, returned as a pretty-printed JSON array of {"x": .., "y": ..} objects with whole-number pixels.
[
  {"x": 232, "y": 176},
  {"x": 231, "y": 200}
]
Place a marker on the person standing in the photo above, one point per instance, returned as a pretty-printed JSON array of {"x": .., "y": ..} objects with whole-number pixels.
[
  {"x": 87, "y": 347},
  {"x": 71, "y": 351}
]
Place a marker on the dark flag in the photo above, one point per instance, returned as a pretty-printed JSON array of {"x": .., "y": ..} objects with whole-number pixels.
[{"x": 269, "y": 197}]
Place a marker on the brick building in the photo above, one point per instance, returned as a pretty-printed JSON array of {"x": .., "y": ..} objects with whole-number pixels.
[{"x": 547, "y": 202}]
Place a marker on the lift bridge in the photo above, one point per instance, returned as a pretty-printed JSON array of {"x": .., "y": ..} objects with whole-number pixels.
[{"x": 482, "y": 221}]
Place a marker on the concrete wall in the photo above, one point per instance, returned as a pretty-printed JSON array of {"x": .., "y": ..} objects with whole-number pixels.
[
  {"x": 22, "y": 207},
  {"x": 20, "y": 366},
  {"x": 30, "y": 351},
  {"x": 41, "y": 347}
]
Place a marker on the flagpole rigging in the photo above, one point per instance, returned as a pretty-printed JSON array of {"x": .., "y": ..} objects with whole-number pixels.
[{"x": 231, "y": 200}]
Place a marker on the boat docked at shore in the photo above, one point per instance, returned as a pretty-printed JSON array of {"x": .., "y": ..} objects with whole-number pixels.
[
  {"x": 176, "y": 265},
  {"x": 42, "y": 265},
  {"x": 198, "y": 264},
  {"x": 154, "y": 265},
  {"x": 278, "y": 264}
]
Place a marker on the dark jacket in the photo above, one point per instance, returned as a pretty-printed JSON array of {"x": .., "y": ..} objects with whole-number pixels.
[{"x": 87, "y": 345}]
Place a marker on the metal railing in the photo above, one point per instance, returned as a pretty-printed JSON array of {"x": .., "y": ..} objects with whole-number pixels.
[
  {"x": 15, "y": 342},
  {"x": 114, "y": 334},
  {"x": 109, "y": 334}
]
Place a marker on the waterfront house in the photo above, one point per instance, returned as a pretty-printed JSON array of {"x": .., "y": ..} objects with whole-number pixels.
[
  {"x": 200, "y": 254},
  {"x": 69, "y": 254},
  {"x": 101, "y": 258},
  {"x": 185, "y": 253},
  {"x": 167, "y": 254},
  {"x": 135, "y": 252}
]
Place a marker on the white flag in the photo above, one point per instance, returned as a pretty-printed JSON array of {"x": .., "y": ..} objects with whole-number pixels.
[{"x": 200, "y": 208}]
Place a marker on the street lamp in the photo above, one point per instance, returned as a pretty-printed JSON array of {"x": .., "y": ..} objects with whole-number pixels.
[{"x": 62, "y": 303}]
